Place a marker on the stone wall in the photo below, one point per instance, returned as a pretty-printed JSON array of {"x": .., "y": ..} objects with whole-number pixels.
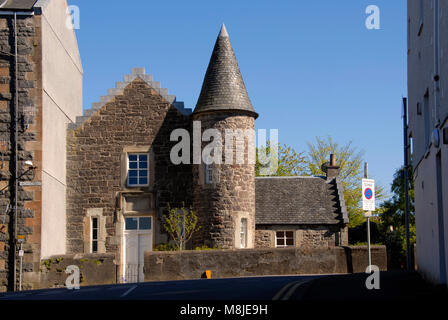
[
  {"x": 264, "y": 239},
  {"x": 29, "y": 143},
  {"x": 160, "y": 266},
  {"x": 231, "y": 197},
  {"x": 138, "y": 119},
  {"x": 308, "y": 236},
  {"x": 95, "y": 269}
]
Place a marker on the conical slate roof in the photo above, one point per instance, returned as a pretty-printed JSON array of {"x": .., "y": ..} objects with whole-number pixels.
[{"x": 223, "y": 87}]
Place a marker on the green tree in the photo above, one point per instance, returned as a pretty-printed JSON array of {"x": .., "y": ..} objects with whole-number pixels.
[
  {"x": 290, "y": 162},
  {"x": 393, "y": 209},
  {"x": 181, "y": 224},
  {"x": 351, "y": 163},
  {"x": 392, "y": 218}
]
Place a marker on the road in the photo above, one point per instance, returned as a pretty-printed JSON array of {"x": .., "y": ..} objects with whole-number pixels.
[
  {"x": 393, "y": 286},
  {"x": 257, "y": 288}
]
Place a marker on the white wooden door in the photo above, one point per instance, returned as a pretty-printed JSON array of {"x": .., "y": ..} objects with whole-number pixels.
[{"x": 138, "y": 240}]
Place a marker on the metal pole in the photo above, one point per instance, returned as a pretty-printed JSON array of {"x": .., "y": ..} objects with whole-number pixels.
[
  {"x": 406, "y": 183},
  {"x": 369, "y": 213}
]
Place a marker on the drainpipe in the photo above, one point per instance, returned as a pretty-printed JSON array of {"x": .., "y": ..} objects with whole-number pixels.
[{"x": 16, "y": 137}]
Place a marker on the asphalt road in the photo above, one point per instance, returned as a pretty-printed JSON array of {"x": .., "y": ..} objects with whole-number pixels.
[
  {"x": 394, "y": 286},
  {"x": 257, "y": 288}
]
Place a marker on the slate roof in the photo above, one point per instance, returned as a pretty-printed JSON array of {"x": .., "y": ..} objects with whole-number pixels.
[
  {"x": 17, "y": 4},
  {"x": 299, "y": 200},
  {"x": 223, "y": 88}
]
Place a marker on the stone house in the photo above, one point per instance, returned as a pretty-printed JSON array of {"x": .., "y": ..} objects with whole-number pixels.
[
  {"x": 122, "y": 182},
  {"x": 103, "y": 181},
  {"x": 300, "y": 211}
]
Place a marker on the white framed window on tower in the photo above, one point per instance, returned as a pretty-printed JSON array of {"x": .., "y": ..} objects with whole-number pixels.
[
  {"x": 243, "y": 233},
  {"x": 208, "y": 174},
  {"x": 94, "y": 237},
  {"x": 284, "y": 239},
  {"x": 138, "y": 169}
]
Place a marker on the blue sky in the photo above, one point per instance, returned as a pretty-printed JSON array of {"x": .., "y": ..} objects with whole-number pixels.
[{"x": 311, "y": 68}]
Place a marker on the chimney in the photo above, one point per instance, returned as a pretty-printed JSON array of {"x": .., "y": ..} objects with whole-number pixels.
[{"x": 333, "y": 168}]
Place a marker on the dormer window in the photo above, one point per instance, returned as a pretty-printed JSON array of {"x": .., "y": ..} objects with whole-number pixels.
[{"x": 138, "y": 169}]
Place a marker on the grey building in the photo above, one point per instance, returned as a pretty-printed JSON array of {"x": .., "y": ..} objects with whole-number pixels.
[{"x": 428, "y": 131}]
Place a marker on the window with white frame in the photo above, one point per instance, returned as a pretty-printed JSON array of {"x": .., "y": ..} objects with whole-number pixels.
[
  {"x": 95, "y": 230},
  {"x": 243, "y": 233},
  {"x": 138, "y": 223},
  {"x": 284, "y": 239},
  {"x": 208, "y": 174},
  {"x": 138, "y": 169}
]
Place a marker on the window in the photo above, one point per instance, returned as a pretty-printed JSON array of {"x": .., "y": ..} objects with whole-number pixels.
[
  {"x": 208, "y": 174},
  {"x": 138, "y": 223},
  {"x": 95, "y": 229},
  {"x": 243, "y": 233},
  {"x": 138, "y": 169},
  {"x": 284, "y": 239}
]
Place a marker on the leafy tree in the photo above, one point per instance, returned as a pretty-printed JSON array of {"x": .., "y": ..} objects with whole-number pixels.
[
  {"x": 393, "y": 209},
  {"x": 181, "y": 224},
  {"x": 351, "y": 163},
  {"x": 290, "y": 163},
  {"x": 392, "y": 218}
]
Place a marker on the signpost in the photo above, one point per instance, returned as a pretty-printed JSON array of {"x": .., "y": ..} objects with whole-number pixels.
[
  {"x": 368, "y": 195},
  {"x": 368, "y": 204}
]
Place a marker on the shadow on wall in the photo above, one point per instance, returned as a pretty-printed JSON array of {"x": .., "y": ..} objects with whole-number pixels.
[{"x": 396, "y": 256}]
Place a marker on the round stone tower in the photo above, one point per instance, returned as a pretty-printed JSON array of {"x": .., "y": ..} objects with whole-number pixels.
[{"x": 224, "y": 193}]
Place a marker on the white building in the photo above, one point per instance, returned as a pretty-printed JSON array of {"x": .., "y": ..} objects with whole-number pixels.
[{"x": 428, "y": 131}]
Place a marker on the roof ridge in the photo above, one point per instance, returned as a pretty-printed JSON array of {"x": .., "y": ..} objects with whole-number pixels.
[{"x": 119, "y": 89}]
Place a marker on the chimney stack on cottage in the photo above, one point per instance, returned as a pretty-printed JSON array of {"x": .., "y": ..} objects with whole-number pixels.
[{"x": 332, "y": 168}]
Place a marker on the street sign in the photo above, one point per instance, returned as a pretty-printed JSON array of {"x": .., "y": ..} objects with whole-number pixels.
[{"x": 368, "y": 195}]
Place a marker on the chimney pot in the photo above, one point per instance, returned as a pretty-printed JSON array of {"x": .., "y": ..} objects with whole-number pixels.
[
  {"x": 332, "y": 160},
  {"x": 333, "y": 168}
]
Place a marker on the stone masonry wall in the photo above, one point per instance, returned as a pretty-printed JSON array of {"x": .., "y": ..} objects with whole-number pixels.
[
  {"x": 29, "y": 145},
  {"x": 94, "y": 269},
  {"x": 139, "y": 117},
  {"x": 221, "y": 205},
  {"x": 304, "y": 235},
  {"x": 185, "y": 265}
]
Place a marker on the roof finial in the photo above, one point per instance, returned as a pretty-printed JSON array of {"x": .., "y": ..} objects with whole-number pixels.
[{"x": 223, "y": 32}]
